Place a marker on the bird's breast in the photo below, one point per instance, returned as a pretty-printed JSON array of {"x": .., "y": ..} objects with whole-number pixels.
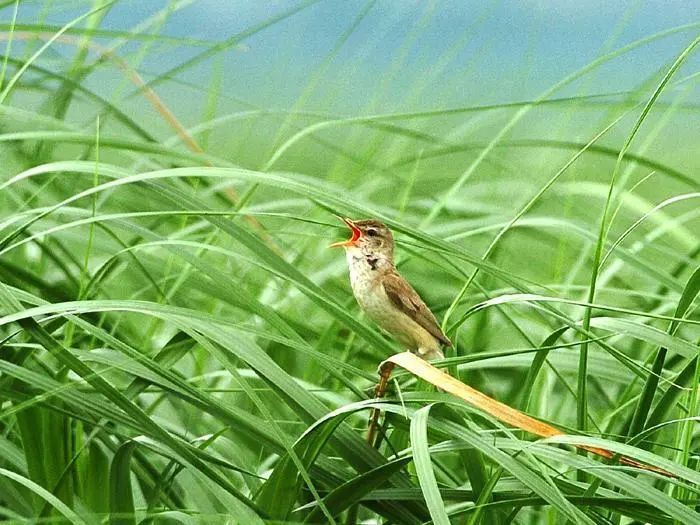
[
  {"x": 370, "y": 295},
  {"x": 366, "y": 278},
  {"x": 367, "y": 287}
]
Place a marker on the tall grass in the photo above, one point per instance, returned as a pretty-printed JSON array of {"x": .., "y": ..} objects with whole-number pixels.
[{"x": 178, "y": 346}]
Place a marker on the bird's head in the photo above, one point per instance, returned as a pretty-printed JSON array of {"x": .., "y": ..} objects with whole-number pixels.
[{"x": 370, "y": 237}]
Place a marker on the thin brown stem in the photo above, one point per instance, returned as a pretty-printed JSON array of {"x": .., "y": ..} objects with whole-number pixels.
[{"x": 385, "y": 370}]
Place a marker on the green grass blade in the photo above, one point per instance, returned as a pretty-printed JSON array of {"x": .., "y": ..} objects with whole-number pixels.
[
  {"x": 424, "y": 467},
  {"x": 121, "y": 498},
  {"x": 643, "y": 408}
]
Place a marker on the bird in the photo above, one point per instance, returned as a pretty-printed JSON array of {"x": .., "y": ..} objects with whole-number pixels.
[{"x": 384, "y": 294}]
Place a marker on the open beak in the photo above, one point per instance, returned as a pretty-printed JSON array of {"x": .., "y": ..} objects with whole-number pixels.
[{"x": 356, "y": 233}]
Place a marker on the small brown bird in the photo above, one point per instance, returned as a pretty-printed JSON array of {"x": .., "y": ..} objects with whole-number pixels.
[{"x": 384, "y": 295}]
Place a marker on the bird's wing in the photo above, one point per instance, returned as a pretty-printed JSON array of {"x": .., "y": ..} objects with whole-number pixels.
[{"x": 406, "y": 299}]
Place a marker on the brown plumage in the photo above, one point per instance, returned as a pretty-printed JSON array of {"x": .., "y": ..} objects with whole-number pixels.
[
  {"x": 409, "y": 302},
  {"x": 384, "y": 295}
]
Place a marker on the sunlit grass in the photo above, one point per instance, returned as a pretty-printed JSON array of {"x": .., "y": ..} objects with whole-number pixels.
[{"x": 179, "y": 346}]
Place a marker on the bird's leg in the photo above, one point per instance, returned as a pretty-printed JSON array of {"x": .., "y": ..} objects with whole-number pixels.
[{"x": 385, "y": 370}]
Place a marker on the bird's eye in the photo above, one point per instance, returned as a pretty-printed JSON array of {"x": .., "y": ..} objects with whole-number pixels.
[{"x": 372, "y": 232}]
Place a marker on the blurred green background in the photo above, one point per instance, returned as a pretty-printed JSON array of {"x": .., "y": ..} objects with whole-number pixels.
[{"x": 175, "y": 336}]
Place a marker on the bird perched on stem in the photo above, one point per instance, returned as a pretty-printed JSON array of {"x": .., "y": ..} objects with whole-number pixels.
[{"x": 384, "y": 295}]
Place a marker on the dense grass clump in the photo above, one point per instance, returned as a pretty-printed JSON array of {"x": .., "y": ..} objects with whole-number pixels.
[{"x": 179, "y": 346}]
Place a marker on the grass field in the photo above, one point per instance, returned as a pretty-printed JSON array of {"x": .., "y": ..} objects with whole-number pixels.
[{"x": 177, "y": 345}]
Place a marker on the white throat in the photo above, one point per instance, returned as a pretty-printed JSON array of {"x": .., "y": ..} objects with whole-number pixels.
[{"x": 364, "y": 266}]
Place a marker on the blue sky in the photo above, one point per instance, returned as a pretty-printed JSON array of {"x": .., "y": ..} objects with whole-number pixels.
[{"x": 395, "y": 59}]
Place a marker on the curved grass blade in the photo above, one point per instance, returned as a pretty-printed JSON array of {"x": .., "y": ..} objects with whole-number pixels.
[
  {"x": 18, "y": 74},
  {"x": 110, "y": 392},
  {"x": 498, "y": 410},
  {"x": 424, "y": 467},
  {"x": 121, "y": 498},
  {"x": 582, "y": 395},
  {"x": 641, "y": 413},
  {"x": 356, "y": 489},
  {"x": 44, "y": 494}
]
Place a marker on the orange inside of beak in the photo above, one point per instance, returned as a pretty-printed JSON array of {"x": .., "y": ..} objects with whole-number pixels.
[{"x": 356, "y": 233}]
